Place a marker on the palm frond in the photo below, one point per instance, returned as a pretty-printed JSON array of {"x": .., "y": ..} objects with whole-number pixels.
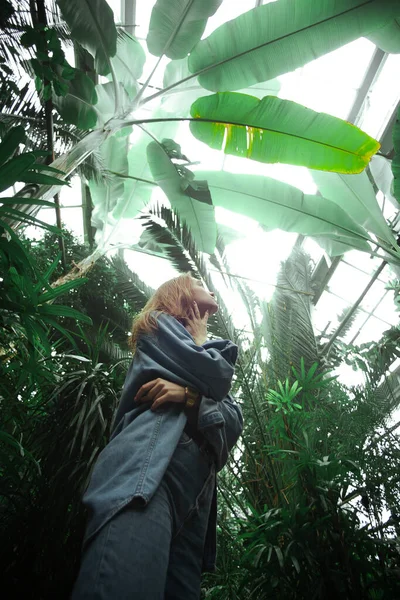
[
  {"x": 164, "y": 228},
  {"x": 129, "y": 285},
  {"x": 287, "y": 323}
]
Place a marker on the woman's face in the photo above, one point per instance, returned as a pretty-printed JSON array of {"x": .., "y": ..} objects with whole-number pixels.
[{"x": 205, "y": 300}]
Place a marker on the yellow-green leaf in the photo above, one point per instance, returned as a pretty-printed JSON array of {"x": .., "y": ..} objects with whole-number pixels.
[{"x": 273, "y": 130}]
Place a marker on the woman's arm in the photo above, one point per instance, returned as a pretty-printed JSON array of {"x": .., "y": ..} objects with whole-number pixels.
[{"x": 208, "y": 368}]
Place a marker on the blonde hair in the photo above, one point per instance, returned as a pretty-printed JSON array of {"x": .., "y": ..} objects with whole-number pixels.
[{"x": 173, "y": 297}]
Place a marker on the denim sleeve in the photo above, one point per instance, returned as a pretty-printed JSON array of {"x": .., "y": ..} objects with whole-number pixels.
[
  {"x": 221, "y": 423},
  {"x": 213, "y": 362}
]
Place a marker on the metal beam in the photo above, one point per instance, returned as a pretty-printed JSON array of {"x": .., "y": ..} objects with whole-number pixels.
[
  {"x": 353, "y": 308},
  {"x": 377, "y": 61},
  {"x": 128, "y": 15}
]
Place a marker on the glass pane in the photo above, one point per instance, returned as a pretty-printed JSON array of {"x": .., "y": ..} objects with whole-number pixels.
[
  {"x": 371, "y": 331},
  {"x": 328, "y": 309},
  {"x": 259, "y": 256},
  {"x": 382, "y": 99},
  {"x": 373, "y": 296},
  {"x": 387, "y": 310},
  {"x": 313, "y": 249},
  {"x": 348, "y": 283},
  {"x": 316, "y": 84},
  {"x": 360, "y": 318}
]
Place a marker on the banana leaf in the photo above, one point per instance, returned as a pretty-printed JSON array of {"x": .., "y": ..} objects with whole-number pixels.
[
  {"x": 199, "y": 216},
  {"x": 274, "y": 130},
  {"x": 355, "y": 194},
  {"x": 279, "y": 37},
  {"x": 175, "y": 27},
  {"x": 92, "y": 25},
  {"x": 278, "y": 205}
]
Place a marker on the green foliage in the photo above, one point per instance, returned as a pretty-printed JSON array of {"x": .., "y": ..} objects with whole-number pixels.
[
  {"x": 173, "y": 31},
  {"x": 65, "y": 426},
  {"x": 277, "y": 38},
  {"x": 273, "y": 130},
  {"x": 275, "y": 204},
  {"x": 292, "y": 496},
  {"x": 283, "y": 400},
  {"x": 100, "y": 299},
  {"x": 178, "y": 183},
  {"x": 395, "y": 286},
  {"x": 277, "y": 130},
  {"x": 396, "y": 159},
  {"x": 52, "y": 71}
]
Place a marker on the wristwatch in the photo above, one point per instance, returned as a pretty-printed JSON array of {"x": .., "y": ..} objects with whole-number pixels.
[{"x": 192, "y": 397}]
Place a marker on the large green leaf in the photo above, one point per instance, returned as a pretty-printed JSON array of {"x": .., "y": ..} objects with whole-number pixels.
[
  {"x": 355, "y": 194},
  {"x": 76, "y": 107},
  {"x": 396, "y": 159},
  {"x": 381, "y": 171},
  {"x": 280, "y": 205},
  {"x": 198, "y": 216},
  {"x": 274, "y": 130},
  {"x": 127, "y": 63},
  {"x": 105, "y": 106},
  {"x": 179, "y": 99},
  {"x": 175, "y": 27},
  {"x": 106, "y": 193},
  {"x": 281, "y": 36},
  {"x": 15, "y": 169},
  {"x": 137, "y": 193},
  {"x": 387, "y": 38},
  {"x": 10, "y": 142},
  {"x": 92, "y": 25}
]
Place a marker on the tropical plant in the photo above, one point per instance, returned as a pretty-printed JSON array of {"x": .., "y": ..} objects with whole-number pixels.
[
  {"x": 266, "y": 129},
  {"x": 297, "y": 494},
  {"x": 102, "y": 298}
]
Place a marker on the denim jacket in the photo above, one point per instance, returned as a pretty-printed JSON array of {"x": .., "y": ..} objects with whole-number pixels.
[{"x": 143, "y": 441}]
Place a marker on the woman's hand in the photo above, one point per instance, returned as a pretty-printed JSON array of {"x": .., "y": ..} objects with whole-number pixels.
[
  {"x": 158, "y": 391},
  {"x": 196, "y": 325}
]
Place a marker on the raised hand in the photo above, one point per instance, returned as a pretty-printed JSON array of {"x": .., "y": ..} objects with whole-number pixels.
[{"x": 196, "y": 325}]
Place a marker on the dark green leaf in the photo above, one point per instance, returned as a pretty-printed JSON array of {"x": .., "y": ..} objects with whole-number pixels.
[
  {"x": 10, "y": 142},
  {"x": 175, "y": 27},
  {"x": 14, "y": 170}
]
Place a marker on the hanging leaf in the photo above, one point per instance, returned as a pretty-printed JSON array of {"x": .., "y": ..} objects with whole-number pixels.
[
  {"x": 175, "y": 27},
  {"x": 278, "y": 205},
  {"x": 273, "y": 130},
  {"x": 381, "y": 171},
  {"x": 279, "y": 37},
  {"x": 355, "y": 194},
  {"x": 92, "y": 25},
  {"x": 76, "y": 106},
  {"x": 106, "y": 193},
  {"x": 106, "y": 100},
  {"x": 387, "y": 38},
  {"x": 199, "y": 216},
  {"x": 128, "y": 62}
]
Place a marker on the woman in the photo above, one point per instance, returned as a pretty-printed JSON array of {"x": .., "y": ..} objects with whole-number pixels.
[{"x": 152, "y": 498}]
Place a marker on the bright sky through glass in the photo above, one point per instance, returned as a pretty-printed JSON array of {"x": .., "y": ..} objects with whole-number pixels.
[{"x": 328, "y": 84}]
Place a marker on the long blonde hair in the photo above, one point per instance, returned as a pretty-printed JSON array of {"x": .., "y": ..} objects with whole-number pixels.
[{"x": 173, "y": 297}]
